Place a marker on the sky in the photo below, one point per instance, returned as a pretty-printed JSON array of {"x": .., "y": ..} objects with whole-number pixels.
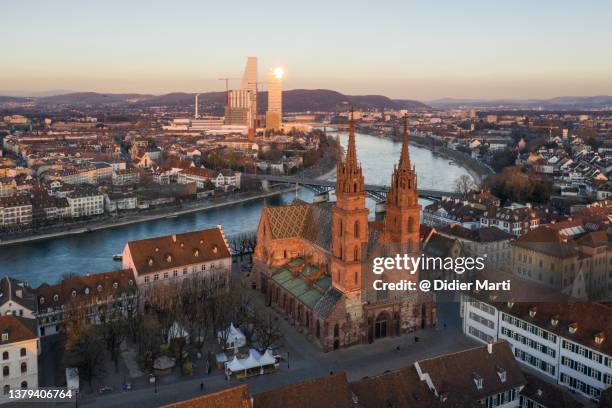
[{"x": 407, "y": 49}]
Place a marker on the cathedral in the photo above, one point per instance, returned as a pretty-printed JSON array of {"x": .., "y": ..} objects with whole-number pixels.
[{"x": 313, "y": 261}]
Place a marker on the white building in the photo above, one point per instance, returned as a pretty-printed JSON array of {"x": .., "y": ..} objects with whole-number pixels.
[
  {"x": 204, "y": 253},
  {"x": 15, "y": 210},
  {"x": 16, "y": 298},
  {"x": 85, "y": 203},
  {"x": 19, "y": 350},
  {"x": 569, "y": 343}
]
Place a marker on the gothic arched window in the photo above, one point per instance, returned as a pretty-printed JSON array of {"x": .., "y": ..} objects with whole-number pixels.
[{"x": 357, "y": 229}]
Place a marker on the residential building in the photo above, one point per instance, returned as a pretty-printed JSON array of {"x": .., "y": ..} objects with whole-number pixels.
[
  {"x": 15, "y": 210},
  {"x": 85, "y": 202},
  {"x": 19, "y": 350},
  {"x": 489, "y": 242},
  {"x": 202, "y": 253},
  {"x": 126, "y": 177},
  {"x": 16, "y": 298},
  {"x": 84, "y": 297},
  {"x": 515, "y": 219},
  {"x": 566, "y": 341},
  {"x": 572, "y": 255}
]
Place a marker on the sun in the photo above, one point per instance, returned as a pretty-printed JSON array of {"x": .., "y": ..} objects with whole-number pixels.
[{"x": 279, "y": 72}]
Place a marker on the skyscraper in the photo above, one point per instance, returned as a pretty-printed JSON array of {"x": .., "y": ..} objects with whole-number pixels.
[
  {"x": 275, "y": 99},
  {"x": 239, "y": 110},
  {"x": 249, "y": 83}
]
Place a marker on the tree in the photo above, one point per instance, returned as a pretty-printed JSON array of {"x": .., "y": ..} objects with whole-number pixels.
[
  {"x": 86, "y": 352},
  {"x": 465, "y": 184},
  {"x": 113, "y": 330},
  {"x": 266, "y": 332},
  {"x": 502, "y": 159}
]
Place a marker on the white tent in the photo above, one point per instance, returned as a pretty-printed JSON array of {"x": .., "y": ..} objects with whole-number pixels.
[
  {"x": 254, "y": 360},
  {"x": 232, "y": 336},
  {"x": 267, "y": 358},
  {"x": 234, "y": 365}
]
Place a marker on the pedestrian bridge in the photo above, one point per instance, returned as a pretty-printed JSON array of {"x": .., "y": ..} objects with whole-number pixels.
[{"x": 323, "y": 187}]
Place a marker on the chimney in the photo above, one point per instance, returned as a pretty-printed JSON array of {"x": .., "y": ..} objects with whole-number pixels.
[{"x": 490, "y": 347}]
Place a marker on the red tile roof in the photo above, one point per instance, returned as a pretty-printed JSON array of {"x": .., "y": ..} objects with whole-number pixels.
[
  {"x": 17, "y": 328},
  {"x": 329, "y": 391},
  {"x": 175, "y": 251},
  {"x": 235, "y": 397}
]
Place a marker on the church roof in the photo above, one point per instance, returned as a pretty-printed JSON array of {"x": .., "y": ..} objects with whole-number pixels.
[
  {"x": 309, "y": 221},
  {"x": 319, "y": 297}
]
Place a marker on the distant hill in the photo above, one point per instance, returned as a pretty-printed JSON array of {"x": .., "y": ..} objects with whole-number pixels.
[
  {"x": 561, "y": 102},
  {"x": 296, "y": 100}
]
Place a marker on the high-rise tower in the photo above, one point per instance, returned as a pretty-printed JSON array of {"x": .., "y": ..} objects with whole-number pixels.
[
  {"x": 349, "y": 220},
  {"x": 274, "y": 114},
  {"x": 249, "y": 83},
  {"x": 402, "y": 219}
]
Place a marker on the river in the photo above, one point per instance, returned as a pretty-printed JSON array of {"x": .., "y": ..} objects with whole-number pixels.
[{"x": 47, "y": 261}]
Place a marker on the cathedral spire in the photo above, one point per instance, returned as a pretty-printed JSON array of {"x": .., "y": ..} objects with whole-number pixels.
[
  {"x": 349, "y": 177},
  {"x": 404, "y": 162},
  {"x": 351, "y": 151}
]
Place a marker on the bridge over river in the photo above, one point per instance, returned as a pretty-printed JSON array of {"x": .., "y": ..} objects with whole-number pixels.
[{"x": 322, "y": 188}]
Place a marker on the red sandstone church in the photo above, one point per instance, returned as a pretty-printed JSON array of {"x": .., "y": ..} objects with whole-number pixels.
[{"x": 312, "y": 260}]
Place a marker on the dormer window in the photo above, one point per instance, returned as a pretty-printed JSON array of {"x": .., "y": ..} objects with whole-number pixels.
[
  {"x": 99, "y": 288},
  {"x": 196, "y": 253},
  {"x": 150, "y": 262},
  {"x": 599, "y": 338},
  {"x": 55, "y": 297},
  {"x": 41, "y": 300},
  {"x": 501, "y": 373},
  {"x": 554, "y": 321},
  {"x": 573, "y": 328},
  {"x": 5, "y": 336},
  {"x": 532, "y": 311},
  {"x": 510, "y": 304},
  {"x": 215, "y": 249},
  {"x": 201, "y": 241},
  {"x": 73, "y": 293},
  {"x": 156, "y": 249},
  {"x": 87, "y": 291},
  {"x": 478, "y": 380},
  {"x": 131, "y": 282},
  {"x": 182, "y": 245},
  {"x": 115, "y": 285},
  {"x": 168, "y": 258}
]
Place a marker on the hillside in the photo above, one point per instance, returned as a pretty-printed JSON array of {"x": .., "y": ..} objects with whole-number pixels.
[{"x": 297, "y": 100}]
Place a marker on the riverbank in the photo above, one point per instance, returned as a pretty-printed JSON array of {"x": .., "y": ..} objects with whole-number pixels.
[
  {"x": 478, "y": 170},
  {"x": 139, "y": 218}
]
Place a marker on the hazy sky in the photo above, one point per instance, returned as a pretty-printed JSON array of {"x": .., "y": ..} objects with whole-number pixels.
[{"x": 404, "y": 48}]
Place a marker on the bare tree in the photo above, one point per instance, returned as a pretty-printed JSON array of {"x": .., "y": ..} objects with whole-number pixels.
[
  {"x": 465, "y": 184},
  {"x": 86, "y": 352},
  {"x": 266, "y": 332}
]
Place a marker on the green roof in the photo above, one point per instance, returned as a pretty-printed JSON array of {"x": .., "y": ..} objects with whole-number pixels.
[{"x": 298, "y": 287}]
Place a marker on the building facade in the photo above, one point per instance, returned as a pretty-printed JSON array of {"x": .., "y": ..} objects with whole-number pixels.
[
  {"x": 19, "y": 350},
  {"x": 566, "y": 342},
  {"x": 172, "y": 258},
  {"x": 310, "y": 259}
]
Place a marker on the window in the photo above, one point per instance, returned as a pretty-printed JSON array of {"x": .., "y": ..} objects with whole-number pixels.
[
  {"x": 24, "y": 367},
  {"x": 5, "y": 355},
  {"x": 5, "y": 371},
  {"x": 357, "y": 229},
  {"x": 24, "y": 385},
  {"x": 22, "y": 352}
]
